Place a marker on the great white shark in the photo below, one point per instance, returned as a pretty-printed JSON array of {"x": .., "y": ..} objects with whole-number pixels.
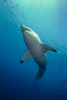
[{"x": 36, "y": 50}]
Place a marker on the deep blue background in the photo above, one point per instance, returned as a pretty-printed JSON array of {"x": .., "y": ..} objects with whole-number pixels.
[{"x": 49, "y": 19}]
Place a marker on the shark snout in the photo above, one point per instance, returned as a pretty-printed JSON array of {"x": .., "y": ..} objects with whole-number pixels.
[{"x": 23, "y": 28}]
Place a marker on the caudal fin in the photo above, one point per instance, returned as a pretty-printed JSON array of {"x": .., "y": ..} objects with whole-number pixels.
[{"x": 40, "y": 73}]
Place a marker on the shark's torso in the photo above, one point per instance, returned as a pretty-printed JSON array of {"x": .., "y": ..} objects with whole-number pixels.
[{"x": 33, "y": 42}]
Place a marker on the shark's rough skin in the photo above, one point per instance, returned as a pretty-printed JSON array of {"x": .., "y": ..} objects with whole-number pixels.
[{"x": 36, "y": 50}]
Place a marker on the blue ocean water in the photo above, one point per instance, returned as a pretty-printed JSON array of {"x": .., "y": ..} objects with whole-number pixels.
[{"x": 48, "y": 18}]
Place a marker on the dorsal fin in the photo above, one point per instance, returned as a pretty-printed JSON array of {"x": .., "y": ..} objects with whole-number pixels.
[{"x": 46, "y": 48}]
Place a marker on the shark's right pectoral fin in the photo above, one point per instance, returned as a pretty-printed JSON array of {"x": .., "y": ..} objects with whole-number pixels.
[
  {"x": 25, "y": 56},
  {"x": 46, "y": 48}
]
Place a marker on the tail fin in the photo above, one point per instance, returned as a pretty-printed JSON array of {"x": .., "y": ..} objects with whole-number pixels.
[
  {"x": 42, "y": 62},
  {"x": 42, "y": 69}
]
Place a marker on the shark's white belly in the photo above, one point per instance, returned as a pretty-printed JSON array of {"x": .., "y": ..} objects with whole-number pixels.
[{"x": 33, "y": 43}]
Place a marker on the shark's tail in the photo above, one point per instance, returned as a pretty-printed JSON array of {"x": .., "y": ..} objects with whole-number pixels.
[
  {"x": 40, "y": 73},
  {"x": 42, "y": 62}
]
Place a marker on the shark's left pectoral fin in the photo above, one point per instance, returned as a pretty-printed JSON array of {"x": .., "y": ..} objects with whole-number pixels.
[
  {"x": 46, "y": 48},
  {"x": 25, "y": 56}
]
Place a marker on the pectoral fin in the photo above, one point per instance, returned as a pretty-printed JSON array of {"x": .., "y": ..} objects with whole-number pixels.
[
  {"x": 46, "y": 48},
  {"x": 26, "y": 55}
]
